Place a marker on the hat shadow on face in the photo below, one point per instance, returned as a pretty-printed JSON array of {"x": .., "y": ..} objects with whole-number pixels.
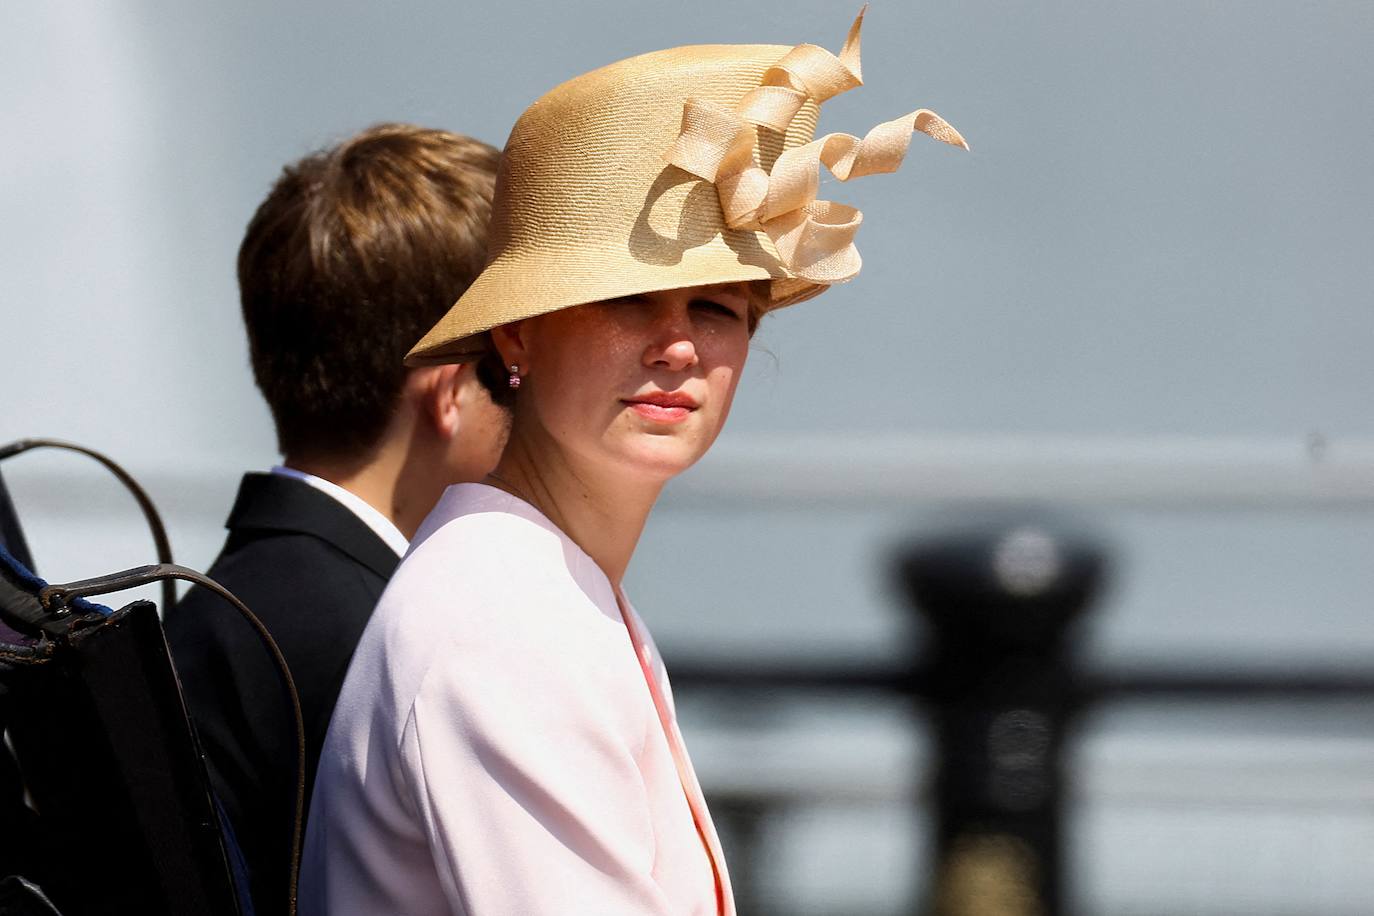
[{"x": 660, "y": 239}]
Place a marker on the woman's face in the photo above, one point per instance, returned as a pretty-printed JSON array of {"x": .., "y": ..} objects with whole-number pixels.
[{"x": 641, "y": 384}]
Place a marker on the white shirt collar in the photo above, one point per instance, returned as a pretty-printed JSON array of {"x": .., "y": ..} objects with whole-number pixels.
[{"x": 369, "y": 516}]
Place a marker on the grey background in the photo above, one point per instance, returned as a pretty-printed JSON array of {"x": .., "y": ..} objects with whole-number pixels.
[{"x": 1162, "y": 235}]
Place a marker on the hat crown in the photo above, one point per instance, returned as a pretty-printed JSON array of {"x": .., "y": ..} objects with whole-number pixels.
[{"x": 590, "y": 154}]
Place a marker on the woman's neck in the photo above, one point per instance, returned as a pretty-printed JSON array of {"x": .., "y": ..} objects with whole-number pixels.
[{"x": 602, "y": 512}]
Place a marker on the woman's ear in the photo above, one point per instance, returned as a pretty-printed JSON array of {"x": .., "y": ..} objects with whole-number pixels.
[{"x": 509, "y": 341}]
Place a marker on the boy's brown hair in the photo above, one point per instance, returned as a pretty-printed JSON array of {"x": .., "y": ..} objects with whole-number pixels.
[{"x": 356, "y": 252}]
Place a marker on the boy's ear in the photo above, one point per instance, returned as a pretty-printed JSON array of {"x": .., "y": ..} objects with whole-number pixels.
[{"x": 440, "y": 397}]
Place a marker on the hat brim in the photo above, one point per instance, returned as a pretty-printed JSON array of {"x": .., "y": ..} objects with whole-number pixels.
[{"x": 518, "y": 286}]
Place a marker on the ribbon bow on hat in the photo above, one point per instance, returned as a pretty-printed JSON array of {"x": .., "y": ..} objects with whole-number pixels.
[{"x": 814, "y": 238}]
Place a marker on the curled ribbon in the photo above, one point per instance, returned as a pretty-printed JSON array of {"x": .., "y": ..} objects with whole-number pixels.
[{"x": 814, "y": 238}]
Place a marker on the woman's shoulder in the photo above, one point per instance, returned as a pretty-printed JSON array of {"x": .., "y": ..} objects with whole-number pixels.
[{"x": 485, "y": 564}]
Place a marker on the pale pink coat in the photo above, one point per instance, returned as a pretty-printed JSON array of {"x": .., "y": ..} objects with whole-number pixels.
[{"x": 495, "y": 748}]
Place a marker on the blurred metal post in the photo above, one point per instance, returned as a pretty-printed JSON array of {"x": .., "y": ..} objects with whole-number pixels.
[{"x": 1001, "y": 686}]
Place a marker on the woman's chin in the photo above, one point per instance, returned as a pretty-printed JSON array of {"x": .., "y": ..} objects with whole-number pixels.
[{"x": 660, "y": 458}]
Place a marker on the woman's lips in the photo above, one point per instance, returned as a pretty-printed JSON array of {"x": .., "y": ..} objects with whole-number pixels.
[
  {"x": 663, "y": 407},
  {"x": 659, "y": 414}
]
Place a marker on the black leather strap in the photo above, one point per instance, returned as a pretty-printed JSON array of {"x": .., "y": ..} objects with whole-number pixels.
[{"x": 163, "y": 546}]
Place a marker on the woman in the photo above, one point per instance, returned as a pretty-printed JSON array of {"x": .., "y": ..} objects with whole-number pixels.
[{"x": 505, "y": 739}]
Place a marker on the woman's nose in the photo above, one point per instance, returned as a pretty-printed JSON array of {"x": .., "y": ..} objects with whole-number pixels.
[{"x": 677, "y": 354}]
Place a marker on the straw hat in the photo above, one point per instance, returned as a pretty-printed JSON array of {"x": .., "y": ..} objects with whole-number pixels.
[{"x": 684, "y": 167}]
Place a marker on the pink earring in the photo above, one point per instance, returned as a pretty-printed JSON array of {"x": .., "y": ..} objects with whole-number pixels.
[{"x": 514, "y": 380}]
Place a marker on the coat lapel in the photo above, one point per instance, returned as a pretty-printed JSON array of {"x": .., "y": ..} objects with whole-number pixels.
[{"x": 272, "y": 502}]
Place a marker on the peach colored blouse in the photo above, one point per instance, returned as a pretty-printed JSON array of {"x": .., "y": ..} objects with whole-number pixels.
[{"x": 496, "y": 749}]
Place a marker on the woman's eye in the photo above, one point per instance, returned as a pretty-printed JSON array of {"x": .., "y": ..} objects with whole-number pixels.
[{"x": 718, "y": 308}]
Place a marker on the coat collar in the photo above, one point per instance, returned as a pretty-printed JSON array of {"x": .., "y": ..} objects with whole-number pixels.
[{"x": 272, "y": 502}]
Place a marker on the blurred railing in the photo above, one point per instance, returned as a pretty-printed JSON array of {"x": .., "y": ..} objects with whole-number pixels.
[
  {"x": 1000, "y": 684},
  {"x": 999, "y": 678},
  {"x": 1096, "y": 472}
]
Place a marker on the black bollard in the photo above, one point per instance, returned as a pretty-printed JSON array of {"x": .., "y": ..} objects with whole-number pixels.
[{"x": 1000, "y": 682}]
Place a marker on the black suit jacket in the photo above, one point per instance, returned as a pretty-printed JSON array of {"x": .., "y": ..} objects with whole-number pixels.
[{"x": 312, "y": 571}]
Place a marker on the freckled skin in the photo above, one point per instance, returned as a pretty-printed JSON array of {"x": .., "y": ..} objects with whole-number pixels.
[{"x": 583, "y": 363}]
